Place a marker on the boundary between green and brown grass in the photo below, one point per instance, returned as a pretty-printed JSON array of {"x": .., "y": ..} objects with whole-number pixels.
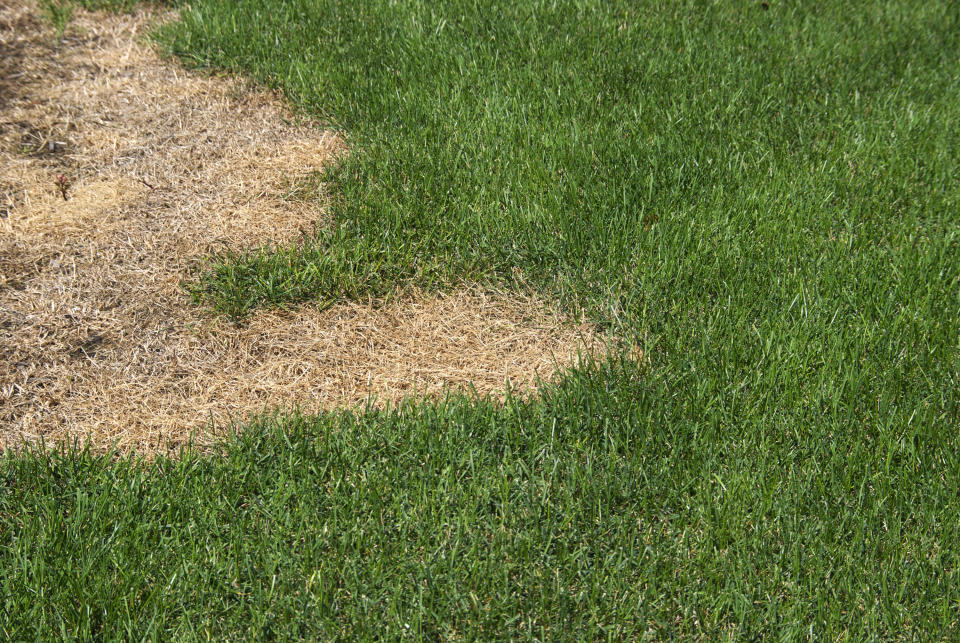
[{"x": 762, "y": 194}]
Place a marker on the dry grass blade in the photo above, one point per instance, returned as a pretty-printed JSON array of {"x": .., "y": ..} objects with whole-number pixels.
[{"x": 121, "y": 171}]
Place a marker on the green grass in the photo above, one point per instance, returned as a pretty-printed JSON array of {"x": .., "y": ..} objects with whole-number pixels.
[
  {"x": 765, "y": 199},
  {"x": 60, "y": 12},
  {"x": 590, "y": 514}
]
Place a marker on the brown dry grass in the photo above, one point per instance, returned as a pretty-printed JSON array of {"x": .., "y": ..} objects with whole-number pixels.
[{"x": 96, "y": 337}]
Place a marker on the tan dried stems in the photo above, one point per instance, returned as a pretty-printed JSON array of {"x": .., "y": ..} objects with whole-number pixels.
[{"x": 161, "y": 166}]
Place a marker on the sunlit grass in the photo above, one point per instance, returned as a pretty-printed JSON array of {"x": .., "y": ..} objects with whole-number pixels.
[{"x": 765, "y": 199}]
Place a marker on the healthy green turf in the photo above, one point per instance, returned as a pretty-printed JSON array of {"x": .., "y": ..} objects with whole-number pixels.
[{"x": 765, "y": 199}]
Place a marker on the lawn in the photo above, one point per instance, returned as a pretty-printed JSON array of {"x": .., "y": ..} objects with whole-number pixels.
[{"x": 761, "y": 195}]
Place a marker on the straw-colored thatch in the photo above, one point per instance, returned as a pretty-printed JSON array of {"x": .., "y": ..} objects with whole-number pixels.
[{"x": 160, "y": 166}]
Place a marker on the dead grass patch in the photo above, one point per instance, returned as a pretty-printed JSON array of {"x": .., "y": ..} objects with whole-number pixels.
[{"x": 96, "y": 337}]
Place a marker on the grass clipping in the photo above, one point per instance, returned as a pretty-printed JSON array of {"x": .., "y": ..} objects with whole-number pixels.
[{"x": 120, "y": 172}]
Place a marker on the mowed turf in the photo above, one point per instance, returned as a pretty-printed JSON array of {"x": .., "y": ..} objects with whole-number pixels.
[{"x": 762, "y": 195}]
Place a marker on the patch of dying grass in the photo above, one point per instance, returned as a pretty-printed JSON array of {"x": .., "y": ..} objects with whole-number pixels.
[{"x": 165, "y": 166}]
